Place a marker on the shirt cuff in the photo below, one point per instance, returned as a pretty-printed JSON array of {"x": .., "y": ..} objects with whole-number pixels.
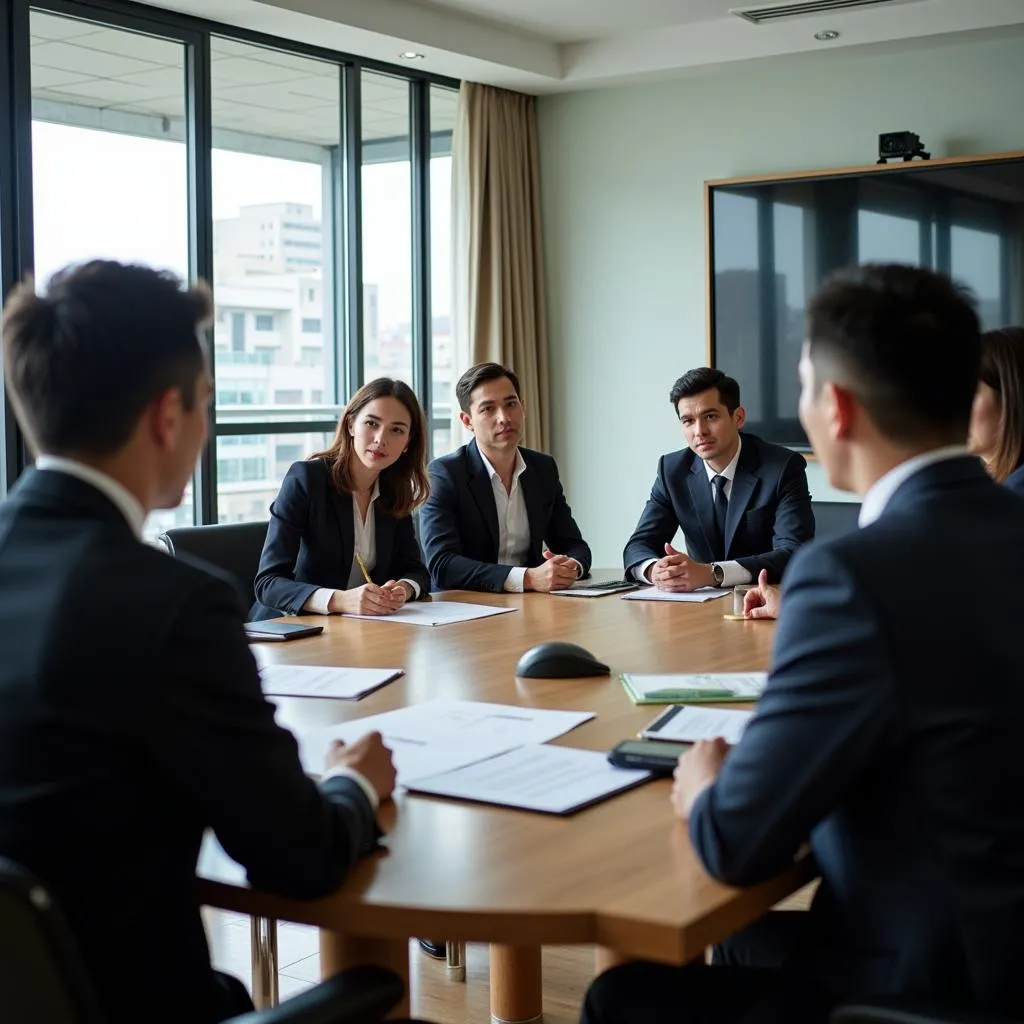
[
  {"x": 733, "y": 573},
  {"x": 415, "y": 587},
  {"x": 344, "y": 772},
  {"x": 579, "y": 568},
  {"x": 319, "y": 602},
  {"x": 640, "y": 570},
  {"x": 515, "y": 581}
]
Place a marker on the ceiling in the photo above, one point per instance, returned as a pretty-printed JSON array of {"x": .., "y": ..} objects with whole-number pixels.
[
  {"x": 542, "y": 46},
  {"x": 257, "y": 91}
]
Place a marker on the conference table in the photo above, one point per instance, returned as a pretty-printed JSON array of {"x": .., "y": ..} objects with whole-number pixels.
[{"x": 620, "y": 875}]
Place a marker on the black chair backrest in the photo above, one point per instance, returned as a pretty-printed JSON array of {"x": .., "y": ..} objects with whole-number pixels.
[
  {"x": 41, "y": 974},
  {"x": 832, "y": 518},
  {"x": 233, "y": 547}
]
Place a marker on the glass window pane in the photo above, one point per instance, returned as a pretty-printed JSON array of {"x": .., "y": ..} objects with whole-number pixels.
[
  {"x": 250, "y": 468},
  {"x": 443, "y": 104},
  {"x": 387, "y": 228},
  {"x": 276, "y": 133},
  {"x": 109, "y": 160},
  {"x": 976, "y": 258}
]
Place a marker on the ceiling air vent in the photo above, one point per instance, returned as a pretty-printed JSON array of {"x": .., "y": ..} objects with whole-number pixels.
[{"x": 767, "y": 14}]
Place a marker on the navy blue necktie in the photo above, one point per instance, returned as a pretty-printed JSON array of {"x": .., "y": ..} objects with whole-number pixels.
[{"x": 721, "y": 508}]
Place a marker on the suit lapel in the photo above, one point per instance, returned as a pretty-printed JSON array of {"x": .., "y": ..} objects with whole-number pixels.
[
  {"x": 700, "y": 495},
  {"x": 743, "y": 484},
  {"x": 384, "y": 527},
  {"x": 483, "y": 494},
  {"x": 533, "y": 498}
]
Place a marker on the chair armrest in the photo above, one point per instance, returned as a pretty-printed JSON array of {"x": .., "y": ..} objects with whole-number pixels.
[
  {"x": 907, "y": 1012},
  {"x": 361, "y": 995}
]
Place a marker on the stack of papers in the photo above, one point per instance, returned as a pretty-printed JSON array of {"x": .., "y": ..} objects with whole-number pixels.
[
  {"x": 324, "y": 681},
  {"x": 701, "y": 687},
  {"x": 553, "y": 780},
  {"x": 694, "y": 596},
  {"x": 585, "y": 589},
  {"x": 437, "y": 613},
  {"x": 687, "y": 725},
  {"x": 439, "y": 735}
]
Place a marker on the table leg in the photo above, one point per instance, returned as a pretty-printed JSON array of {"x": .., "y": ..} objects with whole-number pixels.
[
  {"x": 605, "y": 959},
  {"x": 263, "y": 940},
  {"x": 339, "y": 952},
  {"x": 455, "y": 960},
  {"x": 516, "y": 990}
]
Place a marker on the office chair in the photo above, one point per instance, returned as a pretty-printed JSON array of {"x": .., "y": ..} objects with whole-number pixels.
[
  {"x": 906, "y": 1012},
  {"x": 42, "y": 977},
  {"x": 832, "y": 518},
  {"x": 233, "y": 547}
]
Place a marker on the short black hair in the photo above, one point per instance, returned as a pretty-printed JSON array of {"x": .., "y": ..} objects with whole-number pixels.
[
  {"x": 704, "y": 378},
  {"x": 481, "y": 374},
  {"x": 85, "y": 358},
  {"x": 906, "y": 342}
]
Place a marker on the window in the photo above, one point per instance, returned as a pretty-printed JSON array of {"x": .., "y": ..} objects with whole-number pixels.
[
  {"x": 237, "y": 332},
  {"x": 287, "y": 396},
  {"x": 250, "y": 470},
  {"x": 387, "y": 227},
  {"x": 443, "y": 103},
  {"x": 310, "y": 325},
  {"x": 264, "y": 322},
  {"x": 109, "y": 160}
]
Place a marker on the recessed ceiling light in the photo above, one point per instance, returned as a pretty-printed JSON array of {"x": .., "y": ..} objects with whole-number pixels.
[
  {"x": 412, "y": 55},
  {"x": 826, "y": 35}
]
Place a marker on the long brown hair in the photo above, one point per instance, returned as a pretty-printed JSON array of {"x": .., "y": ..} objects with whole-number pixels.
[
  {"x": 404, "y": 484},
  {"x": 1002, "y": 369}
]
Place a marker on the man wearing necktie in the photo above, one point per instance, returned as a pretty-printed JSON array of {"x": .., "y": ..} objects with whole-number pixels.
[{"x": 741, "y": 503}]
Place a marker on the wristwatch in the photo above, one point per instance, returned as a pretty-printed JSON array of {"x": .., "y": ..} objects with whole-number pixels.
[{"x": 719, "y": 573}]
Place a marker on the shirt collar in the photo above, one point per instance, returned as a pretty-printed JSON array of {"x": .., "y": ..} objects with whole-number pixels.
[
  {"x": 730, "y": 471},
  {"x": 374, "y": 494},
  {"x": 882, "y": 490},
  {"x": 516, "y": 473},
  {"x": 127, "y": 504}
]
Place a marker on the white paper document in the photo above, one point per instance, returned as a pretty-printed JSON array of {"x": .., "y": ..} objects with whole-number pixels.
[
  {"x": 324, "y": 680},
  {"x": 437, "y": 613},
  {"x": 688, "y": 724},
  {"x": 554, "y": 780},
  {"x": 693, "y": 597},
  {"x": 438, "y": 735}
]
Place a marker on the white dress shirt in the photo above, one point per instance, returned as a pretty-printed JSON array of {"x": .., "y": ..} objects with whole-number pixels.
[
  {"x": 733, "y": 572},
  {"x": 885, "y": 487},
  {"x": 365, "y": 545},
  {"x": 127, "y": 504},
  {"x": 513, "y": 523}
]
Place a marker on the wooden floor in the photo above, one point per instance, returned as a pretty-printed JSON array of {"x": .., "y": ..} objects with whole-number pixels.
[{"x": 567, "y": 972}]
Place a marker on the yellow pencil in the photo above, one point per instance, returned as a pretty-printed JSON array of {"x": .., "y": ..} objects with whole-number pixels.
[{"x": 362, "y": 569}]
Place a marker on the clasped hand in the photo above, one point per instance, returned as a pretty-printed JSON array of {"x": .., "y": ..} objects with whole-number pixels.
[
  {"x": 678, "y": 573},
  {"x": 559, "y": 572},
  {"x": 370, "y": 599}
]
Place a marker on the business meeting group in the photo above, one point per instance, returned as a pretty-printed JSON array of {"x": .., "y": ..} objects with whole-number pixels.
[{"x": 132, "y": 718}]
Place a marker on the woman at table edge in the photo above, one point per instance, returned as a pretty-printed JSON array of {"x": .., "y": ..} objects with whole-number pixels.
[{"x": 347, "y": 509}]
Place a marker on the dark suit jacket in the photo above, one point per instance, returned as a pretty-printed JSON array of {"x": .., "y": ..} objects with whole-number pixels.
[
  {"x": 769, "y": 513},
  {"x": 311, "y": 543},
  {"x": 459, "y": 522},
  {"x": 890, "y": 733},
  {"x": 131, "y": 719},
  {"x": 1015, "y": 481}
]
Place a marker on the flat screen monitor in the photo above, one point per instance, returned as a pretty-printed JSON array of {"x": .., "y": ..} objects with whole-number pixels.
[{"x": 772, "y": 242}]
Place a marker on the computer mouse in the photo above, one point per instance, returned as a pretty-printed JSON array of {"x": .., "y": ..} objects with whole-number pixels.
[{"x": 558, "y": 660}]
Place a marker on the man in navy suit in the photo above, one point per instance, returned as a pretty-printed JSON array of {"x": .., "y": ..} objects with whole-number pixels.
[
  {"x": 741, "y": 502},
  {"x": 889, "y": 732},
  {"x": 497, "y": 518}
]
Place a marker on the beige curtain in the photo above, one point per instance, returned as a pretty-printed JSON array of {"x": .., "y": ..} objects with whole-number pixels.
[{"x": 499, "y": 312}]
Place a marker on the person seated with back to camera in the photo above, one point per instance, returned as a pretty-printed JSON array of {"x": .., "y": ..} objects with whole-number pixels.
[{"x": 349, "y": 508}]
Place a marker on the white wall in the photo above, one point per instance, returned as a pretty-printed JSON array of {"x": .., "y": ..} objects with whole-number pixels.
[{"x": 622, "y": 176}]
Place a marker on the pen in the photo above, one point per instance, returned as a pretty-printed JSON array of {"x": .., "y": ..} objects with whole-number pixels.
[{"x": 362, "y": 568}]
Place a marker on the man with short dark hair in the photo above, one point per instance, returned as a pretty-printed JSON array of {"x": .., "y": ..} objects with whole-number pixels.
[
  {"x": 497, "y": 518},
  {"x": 742, "y": 503},
  {"x": 888, "y": 732},
  {"x": 131, "y": 716}
]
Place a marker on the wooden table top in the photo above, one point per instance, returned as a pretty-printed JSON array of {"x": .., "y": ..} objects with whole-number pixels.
[{"x": 621, "y": 874}]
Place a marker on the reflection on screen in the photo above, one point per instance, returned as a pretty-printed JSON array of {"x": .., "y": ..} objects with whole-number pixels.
[{"x": 773, "y": 244}]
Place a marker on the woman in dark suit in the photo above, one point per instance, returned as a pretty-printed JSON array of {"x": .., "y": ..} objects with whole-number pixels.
[
  {"x": 997, "y": 418},
  {"x": 349, "y": 504}
]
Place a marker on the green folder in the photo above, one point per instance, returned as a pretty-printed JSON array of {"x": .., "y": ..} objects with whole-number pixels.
[{"x": 683, "y": 694}]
